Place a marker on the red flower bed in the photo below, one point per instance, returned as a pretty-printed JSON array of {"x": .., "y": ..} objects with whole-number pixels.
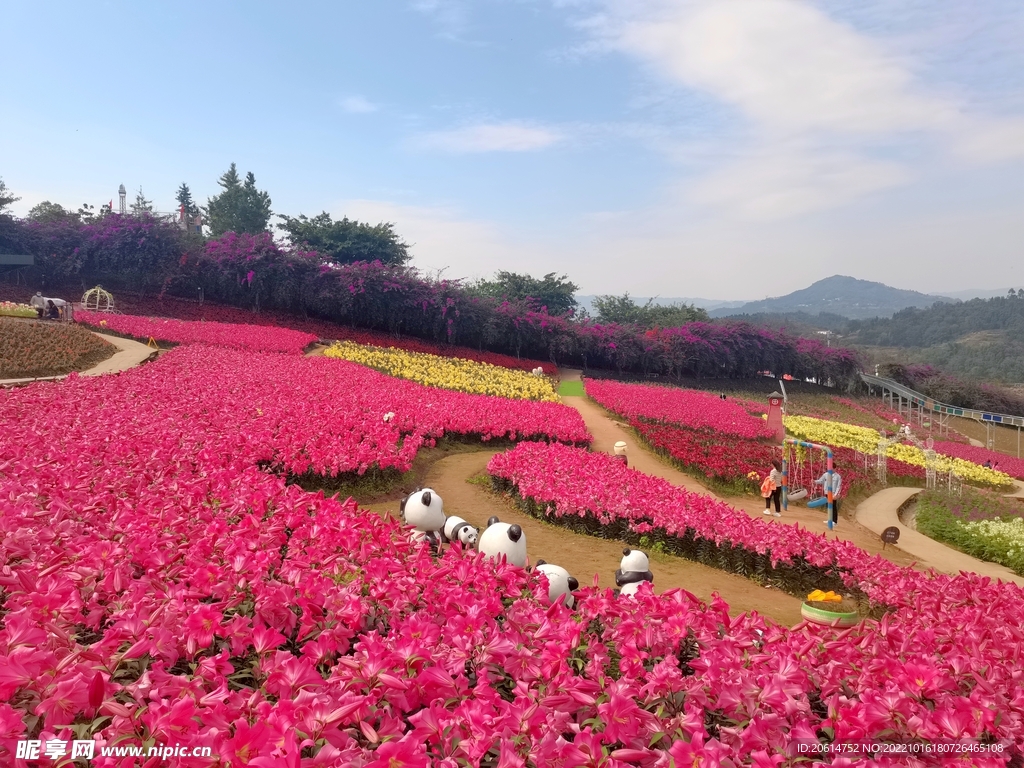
[
  {"x": 685, "y": 407},
  {"x": 724, "y": 457},
  {"x": 258, "y": 338}
]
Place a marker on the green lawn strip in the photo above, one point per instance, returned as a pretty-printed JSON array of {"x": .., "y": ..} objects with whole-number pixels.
[
  {"x": 571, "y": 388},
  {"x": 977, "y": 524}
]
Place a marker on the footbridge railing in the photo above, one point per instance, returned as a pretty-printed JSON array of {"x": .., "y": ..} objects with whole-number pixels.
[{"x": 921, "y": 407}]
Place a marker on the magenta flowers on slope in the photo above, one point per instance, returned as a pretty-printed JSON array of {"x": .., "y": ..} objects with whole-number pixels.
[
  {"x": 257, "y": 338},
  {"x": 686, "y": 407},
  {"x": 140, "y": 544}
]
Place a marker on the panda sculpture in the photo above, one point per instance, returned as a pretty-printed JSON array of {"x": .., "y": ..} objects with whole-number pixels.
[
  {"x": 424, "y": 511},
  {"x": 634, "y": 569},
  {"x": 457, "y": 529},
  {"x": 559, "y": 583},
  {"x": 500, "y": 538}
]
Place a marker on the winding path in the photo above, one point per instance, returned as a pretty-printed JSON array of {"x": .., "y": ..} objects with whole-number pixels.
[{"x": 871, "y": 516}]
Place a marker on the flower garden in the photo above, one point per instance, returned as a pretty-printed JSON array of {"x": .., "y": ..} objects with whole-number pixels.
[
  {"x": 32, "y": 349},
  {"x": 987, "y": 528},
  {"x": 163, "y": 580},
  {"x": 447, "y": 372},
  {"x": 233, "y": 336},
  {"x": 14, "y": 309}
]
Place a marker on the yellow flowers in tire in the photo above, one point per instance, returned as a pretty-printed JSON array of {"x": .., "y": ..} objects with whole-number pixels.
[
  {"x": 447, "y": 372},
  {"x": 866, "y": 440}
]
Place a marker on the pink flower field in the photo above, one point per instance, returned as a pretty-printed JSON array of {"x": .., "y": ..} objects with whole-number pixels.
[
  {"x": 685, "y": 407},
  {"x": 1011, "y": 465},
  {"x": 157, "y": 585},
  {"x": 936, "y": 618},
  {"x": 256, "y": 338}
]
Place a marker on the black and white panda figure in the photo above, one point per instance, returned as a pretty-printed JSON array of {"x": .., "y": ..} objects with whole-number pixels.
[
  {"x": 424, "y": 511},
  {"x": 559, "y": 583},
  {"x": 457, "y": 529},
  {"x": 501, "y": 539},
  {"x": 634, "y": 569}
]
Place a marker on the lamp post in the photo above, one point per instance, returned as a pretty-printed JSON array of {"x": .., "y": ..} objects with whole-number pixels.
[{"x": 200, "y": 289}]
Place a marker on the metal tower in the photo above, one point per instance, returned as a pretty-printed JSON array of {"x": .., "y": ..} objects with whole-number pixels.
[{"x": 121, "y": 192}]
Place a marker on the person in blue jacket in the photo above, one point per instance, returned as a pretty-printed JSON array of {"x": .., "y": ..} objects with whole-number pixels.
[{"x": 835, "y": 485}]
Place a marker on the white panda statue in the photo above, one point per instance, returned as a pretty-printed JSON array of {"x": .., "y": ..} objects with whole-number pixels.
[
  {"x": 424, "y": 511},
  {"x": 559, "y": 583},
  {"x": 634, "y": 569},
  {"x": 500, "y": 538},
  {"x": 457, "y": 529}
]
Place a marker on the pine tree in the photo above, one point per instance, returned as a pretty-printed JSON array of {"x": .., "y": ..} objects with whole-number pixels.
[
  {"x": 239, "y": 207},
  {"x": 141, "y": 204},
  {"x": 184, "y": 198}
]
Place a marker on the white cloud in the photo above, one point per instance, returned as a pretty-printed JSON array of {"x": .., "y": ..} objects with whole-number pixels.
[
  {"x": 490, "y": 137},
  {"x": 441, "y": 238},
  {"x": 358, "y": 105},
  {"x": 774, "y": 183},
  {"x": 782, "y": 63},
  {"x": 817, "y": 102}
]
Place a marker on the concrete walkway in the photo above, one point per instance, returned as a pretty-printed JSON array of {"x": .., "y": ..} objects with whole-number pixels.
[
  {"x": 130, "y": 353},
  {"x": 880, "y": 511}
]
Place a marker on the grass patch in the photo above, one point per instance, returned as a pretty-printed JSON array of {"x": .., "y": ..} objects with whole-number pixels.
[
  {"x": 571, "y": 389},
  {"x": 978, "y": 524}
]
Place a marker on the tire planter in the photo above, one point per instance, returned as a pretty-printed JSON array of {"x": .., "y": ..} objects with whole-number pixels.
[{"x": 829, "y": 618}]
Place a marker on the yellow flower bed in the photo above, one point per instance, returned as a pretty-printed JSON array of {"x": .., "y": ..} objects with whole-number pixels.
[
  {"x": 10, "y": 309},
  {"x": 866, "y": 440},
  {"x": 447, "y": 372}
]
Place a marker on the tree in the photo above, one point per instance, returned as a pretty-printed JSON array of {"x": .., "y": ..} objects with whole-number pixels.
[
  {"x": 184, "y": 198},
  {"x": 622, "y": 309},
  {"x": 555, "y": 293},
  {"x": 141, "y": 204},
  {"x": 346, "y": 241},
  {"x": 47, "y": 212},
  {"x": 240, "y": 208},
  {"x": 6, "y": 198},
  {"x": 9, "y": 229}
]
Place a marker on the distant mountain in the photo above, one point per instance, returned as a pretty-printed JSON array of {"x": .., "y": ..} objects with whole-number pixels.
[
  {"x": 838, "y": 295},
  {"x": 587, "y": 302}
]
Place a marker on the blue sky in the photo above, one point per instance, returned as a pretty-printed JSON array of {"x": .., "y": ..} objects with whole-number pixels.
[{"x": 726, "y": 149}]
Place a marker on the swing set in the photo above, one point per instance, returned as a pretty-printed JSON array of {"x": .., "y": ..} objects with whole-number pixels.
[{"x": 801, "y": 493}]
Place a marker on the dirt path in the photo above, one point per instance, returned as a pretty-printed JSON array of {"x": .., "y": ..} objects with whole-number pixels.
[{"x": 587, "y": 556}]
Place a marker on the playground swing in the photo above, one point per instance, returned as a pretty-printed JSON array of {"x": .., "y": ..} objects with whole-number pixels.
[
  {"x": 801, "y": 492},
  {"x": 818, "y": 497},
  {"x": 814, "y": 494}
]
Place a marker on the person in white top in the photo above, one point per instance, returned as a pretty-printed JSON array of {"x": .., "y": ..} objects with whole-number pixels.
[
  {"x": 771, "y": 488},
  {"x": 835, "y": 484},
  {"x": 38, "y": 303}
]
